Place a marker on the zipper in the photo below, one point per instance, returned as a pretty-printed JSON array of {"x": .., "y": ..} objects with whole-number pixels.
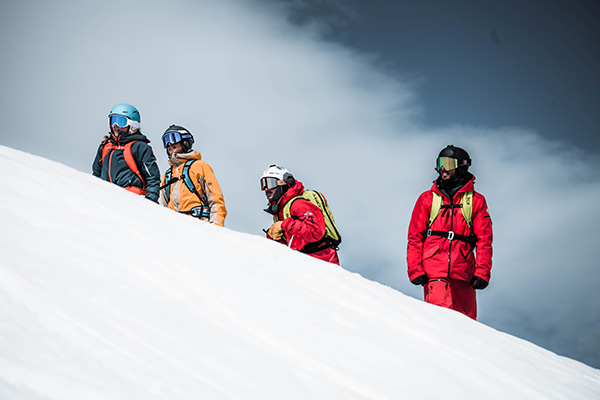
[
  {"x": 110, "y": 157},
  {"x": 450, "y": 240}
]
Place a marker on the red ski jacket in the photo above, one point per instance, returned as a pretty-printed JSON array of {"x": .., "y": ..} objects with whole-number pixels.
[
  {"x": 439, "y": 257},
  {"x": 305, "y": 225}
]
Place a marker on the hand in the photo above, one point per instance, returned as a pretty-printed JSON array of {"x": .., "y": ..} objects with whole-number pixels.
[
  {"x": 478, "y": 283},
  {"x": 420, "y": 280},
  {"x": 275, "y": 232}
]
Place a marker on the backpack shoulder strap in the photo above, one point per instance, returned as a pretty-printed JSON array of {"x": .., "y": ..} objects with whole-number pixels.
[
  {"x": 436, "y": 205},
  {"x": 131, "y": 162},
  {"x": 466, "y": 201},
  {"x": 108, "y": 146},
  {"x": 168, "y": 187},
  {"x": 188, "y": 181},
  {"x": 287, "y": 208}
]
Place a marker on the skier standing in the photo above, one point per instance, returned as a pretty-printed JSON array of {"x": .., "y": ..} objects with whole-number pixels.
[
  {"x": 305, "y": 228},
  {"x": 125, "y": 157},
  {"x": 450, "y": 237},
  {"x": 189, "y": 186}
]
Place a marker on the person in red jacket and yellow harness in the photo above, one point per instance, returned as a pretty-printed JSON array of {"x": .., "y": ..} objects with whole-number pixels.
[
  {"x": 450, "y": 237},
  {"x": 189, "y": 186},
  {"x": 305, "y": 228}
]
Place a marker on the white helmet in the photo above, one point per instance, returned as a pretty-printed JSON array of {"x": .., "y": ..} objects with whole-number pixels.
[{"x": 272, "y": 175}]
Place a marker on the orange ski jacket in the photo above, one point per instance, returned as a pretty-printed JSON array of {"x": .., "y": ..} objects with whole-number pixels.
[{"x": 177, "y": 196}]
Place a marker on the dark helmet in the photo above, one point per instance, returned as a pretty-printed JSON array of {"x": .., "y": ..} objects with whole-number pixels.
[
  {"x": 463, "y": 161},
  {"x": 178, "y": 134}
]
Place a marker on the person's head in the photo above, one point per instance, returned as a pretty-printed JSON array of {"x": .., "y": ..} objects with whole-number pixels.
[
  {"x": 452, "y": 162},
  {"x": 177, "y": 139},
  {"x": 123, "y": 119},
  {"x": 275, "y": 181}
]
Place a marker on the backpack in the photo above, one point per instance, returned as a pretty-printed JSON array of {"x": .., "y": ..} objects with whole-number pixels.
[
  {"x": 466, "y": 203},
  {"x": 332, "y": 237},
  {"x": 128, "y": 156}
]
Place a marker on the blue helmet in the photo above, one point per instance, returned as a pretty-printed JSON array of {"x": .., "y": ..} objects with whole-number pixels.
[
  {"x": 126, "y": 110},
  {"x": 124, "y": 115}
]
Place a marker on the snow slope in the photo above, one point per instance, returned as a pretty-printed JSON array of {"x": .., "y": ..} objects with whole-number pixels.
[{"x": 105, "y": 295}]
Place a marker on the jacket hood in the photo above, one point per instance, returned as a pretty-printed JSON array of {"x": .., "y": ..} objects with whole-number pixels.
[
  {"x": 292, "y": 192},
  {"x": 180, "y": 158}
]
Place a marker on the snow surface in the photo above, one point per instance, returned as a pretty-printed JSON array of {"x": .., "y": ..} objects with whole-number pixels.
[{"x": 105, "y": 295}]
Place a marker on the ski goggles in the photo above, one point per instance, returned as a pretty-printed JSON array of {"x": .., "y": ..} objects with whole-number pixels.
[
  {"x": 173, "y": 138},
  {"x": 122, "y": 122},
  {"x": 447, "y": 162},
  {"x": 268, "y": 183}
]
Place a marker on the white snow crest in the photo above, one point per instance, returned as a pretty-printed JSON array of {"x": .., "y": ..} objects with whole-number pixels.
[{"x": 105, "y": 295}]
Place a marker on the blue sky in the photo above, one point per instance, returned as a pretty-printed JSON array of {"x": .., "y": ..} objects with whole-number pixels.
[{"x": 261, "y": 82}]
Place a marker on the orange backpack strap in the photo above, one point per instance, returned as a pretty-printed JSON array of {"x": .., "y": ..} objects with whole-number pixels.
[
  {"x": 128, "y": 158},
  {"x": 107, "y": 147},
  {"x": 131, "y": 162}
]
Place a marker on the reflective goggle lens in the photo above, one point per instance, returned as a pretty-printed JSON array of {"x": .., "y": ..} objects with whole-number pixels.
[
  {"x": 171, "y": 137},
  {"x": 268, "y": 183},
  {"x": 446, "y": 162},
  {"x": 119, "y": 121}
]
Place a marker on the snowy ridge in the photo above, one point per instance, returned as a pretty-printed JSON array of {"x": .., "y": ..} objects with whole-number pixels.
[{"x": 105, "y": 295}]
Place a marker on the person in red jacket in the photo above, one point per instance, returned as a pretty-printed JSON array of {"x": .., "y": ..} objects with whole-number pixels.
[
  {"x": 450, "y": 249},
  {"x": 304, "y": 229}
]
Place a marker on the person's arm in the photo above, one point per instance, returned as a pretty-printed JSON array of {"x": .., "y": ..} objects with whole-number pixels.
[
  {"x": 213, "y": 194},
  {"x": 97, "y": 164},
  {"x": 482, "y": 228},
  {"x": 416, "y": 236},
  {"x": 149, "y": 170},
  {"x": 306, "y": 224}
]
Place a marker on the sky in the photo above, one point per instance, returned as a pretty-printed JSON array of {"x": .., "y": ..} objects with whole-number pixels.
[
  {"x": 262, "y": 82},
  {"x": 486, "y": 63},
  {"x": 139, "y": 322}
]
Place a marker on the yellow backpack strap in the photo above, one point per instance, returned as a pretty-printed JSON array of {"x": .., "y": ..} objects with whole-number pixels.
[
  {"x": 466, "y": 201},
  {"x": 436, "y": 205}
]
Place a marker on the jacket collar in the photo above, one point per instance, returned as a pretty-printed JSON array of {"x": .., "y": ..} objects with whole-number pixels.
[
  {"x": 277, "y": 208},
  {"x": 467, "y": 187},
  {"x": 124, "y": 139},
  {"x": 180, "y": 158}
]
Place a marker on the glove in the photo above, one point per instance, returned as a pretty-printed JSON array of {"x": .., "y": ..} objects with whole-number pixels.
[
  {"x": 275, "y": 232},
  {"x": 420, "y": 280},
  {"x": 478, "y": 283}
]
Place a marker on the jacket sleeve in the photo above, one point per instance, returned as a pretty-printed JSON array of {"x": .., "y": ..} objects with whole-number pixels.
[
  {"x": 213, "y": 194},
  {"x": 97, "y": 164},
  {"x": 306, "y": 224},
  {"x": 149, "y": 170},
  {"x": 416, "y": 235},
  {"x": 482, "y": 228}
]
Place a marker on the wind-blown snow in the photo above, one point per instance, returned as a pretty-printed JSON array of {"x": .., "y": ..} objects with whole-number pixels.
[{"x": 105, "y": 295}]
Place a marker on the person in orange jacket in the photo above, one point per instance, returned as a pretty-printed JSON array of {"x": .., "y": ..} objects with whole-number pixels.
[
  {"x": 450, "y": 249},
  {"x": 189, "y": 186}
]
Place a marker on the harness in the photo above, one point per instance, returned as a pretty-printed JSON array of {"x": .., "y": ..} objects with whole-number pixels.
[
  {"x": 466, "y": 204},
  {"x": 202, "y": 211},
  {"x": 332, "y": 237},
  {"x": 128, "y": 156}
]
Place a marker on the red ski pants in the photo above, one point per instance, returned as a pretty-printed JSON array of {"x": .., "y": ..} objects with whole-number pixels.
[{"x": 452, "y": 293}]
